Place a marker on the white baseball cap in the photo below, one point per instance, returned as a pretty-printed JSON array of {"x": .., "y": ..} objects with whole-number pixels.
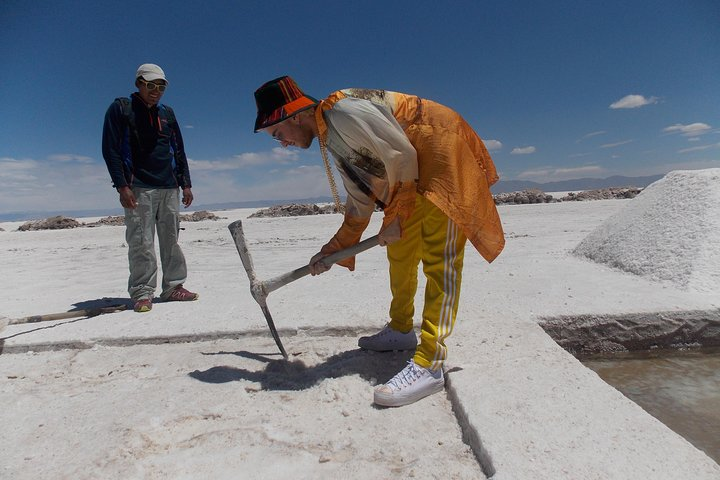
[{"x": 150, "y": 72}]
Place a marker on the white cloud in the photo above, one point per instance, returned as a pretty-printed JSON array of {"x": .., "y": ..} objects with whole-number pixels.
[
  {"x": 280, "y": 174},
  {"x": 611, "y": 145},
  {"x": 12, "y": 164},
  {"x": 277, "y": 156},
  {"x": 633, "y": 101},
  {"x": 306, "y": 170},
  {"x": 541, "y": 172},
  {"x": 522, "y": 150},
  {"x": 12, "y": 179},
  {"x": 663, "y": 168},
  {"x": 549, "y": 174},
  {"x": 699, "y": 148},
  {"x": 303, "y": 181},
  {"x": 587, "y": 170},
  {"x": 43, "y": 185},
  {"x": 69, "y": 157},
  {"x": 18, "y": 174},
  {"x": 690, "y": 130},
  {"x": 590, "y": 135},
  {"x": 492, "y": 145}
]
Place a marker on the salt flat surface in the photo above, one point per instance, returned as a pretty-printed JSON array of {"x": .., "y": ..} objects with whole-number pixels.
[
  {"x": 122, "y": 403},
  {"x": 221, "y": 410}
]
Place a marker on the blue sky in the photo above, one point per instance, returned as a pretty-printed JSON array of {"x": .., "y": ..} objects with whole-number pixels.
[{"x": 558, "y": 90}]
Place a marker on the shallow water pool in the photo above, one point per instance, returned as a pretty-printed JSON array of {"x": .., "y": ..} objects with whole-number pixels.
[{"x": 679, "y": 388}]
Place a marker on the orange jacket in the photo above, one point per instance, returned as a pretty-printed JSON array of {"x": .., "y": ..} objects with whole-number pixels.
[{"x": 439, "y": 156}]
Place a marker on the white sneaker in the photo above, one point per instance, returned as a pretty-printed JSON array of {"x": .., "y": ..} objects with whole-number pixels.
[
  {"x": 388, "y": 339},
  {"x": 410, "y": 385}
]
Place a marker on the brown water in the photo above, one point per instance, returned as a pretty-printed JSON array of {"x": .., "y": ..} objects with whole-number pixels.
[{"x": 679, "y": 388}]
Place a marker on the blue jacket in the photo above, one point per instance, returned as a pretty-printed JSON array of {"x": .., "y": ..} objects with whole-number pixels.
[{"x": 152, "y": 155}]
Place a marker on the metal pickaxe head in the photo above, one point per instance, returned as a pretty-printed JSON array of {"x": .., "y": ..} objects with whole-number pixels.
[{"x": 256, "y": 288}]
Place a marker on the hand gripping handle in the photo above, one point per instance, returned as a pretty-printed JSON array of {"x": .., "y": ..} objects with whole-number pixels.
[{"x": 281, "y": 280}]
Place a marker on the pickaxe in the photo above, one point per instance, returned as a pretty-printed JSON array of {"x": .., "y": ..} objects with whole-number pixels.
[
  {"x": 261, "y": 289},
  {"x": 84, "y": 312}
]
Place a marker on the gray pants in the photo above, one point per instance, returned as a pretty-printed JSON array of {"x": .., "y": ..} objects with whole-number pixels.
[{"x": 157, "y": 207}]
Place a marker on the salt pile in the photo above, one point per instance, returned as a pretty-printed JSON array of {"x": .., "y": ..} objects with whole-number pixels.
[{"x": 670, "y": 232}]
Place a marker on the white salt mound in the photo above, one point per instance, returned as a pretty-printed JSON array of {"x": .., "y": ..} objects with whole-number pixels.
[{"x": 671, "y": 231}]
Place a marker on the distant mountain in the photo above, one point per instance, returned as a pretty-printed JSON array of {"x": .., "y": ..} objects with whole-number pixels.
[{"x": 507, "y": 186}]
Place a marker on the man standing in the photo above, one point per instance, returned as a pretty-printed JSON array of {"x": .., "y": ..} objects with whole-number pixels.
[
  {"x": 145, "y": 155},
  {"x": 431, "y": 174}
]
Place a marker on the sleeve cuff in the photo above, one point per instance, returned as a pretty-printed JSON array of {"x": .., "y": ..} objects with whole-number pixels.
[
  {"x": 402, "y": 205},
  {"x": 348, "y": 235}
]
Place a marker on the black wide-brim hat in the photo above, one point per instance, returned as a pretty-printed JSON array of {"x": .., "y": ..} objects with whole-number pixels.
[{"x": 278, "y": 100}]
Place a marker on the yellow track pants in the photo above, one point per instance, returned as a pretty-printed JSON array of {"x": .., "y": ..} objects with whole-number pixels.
[{"x": 428, "y": 235}]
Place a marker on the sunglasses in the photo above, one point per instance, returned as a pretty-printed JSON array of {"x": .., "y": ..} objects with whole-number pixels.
[{"x": 152, "y": 86}]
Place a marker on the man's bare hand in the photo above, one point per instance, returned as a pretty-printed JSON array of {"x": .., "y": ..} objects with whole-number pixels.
[
  {"x": 187, "y": 196},
  {"x": 127, "y": 197},
  {"x": 390, "y": 234},
  {"x": 316, "y": 265}
]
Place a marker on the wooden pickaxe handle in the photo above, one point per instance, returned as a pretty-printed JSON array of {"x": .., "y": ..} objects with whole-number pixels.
[
  {"x": 282, "y": 280},
  {"x": 85, "y": 312}
]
